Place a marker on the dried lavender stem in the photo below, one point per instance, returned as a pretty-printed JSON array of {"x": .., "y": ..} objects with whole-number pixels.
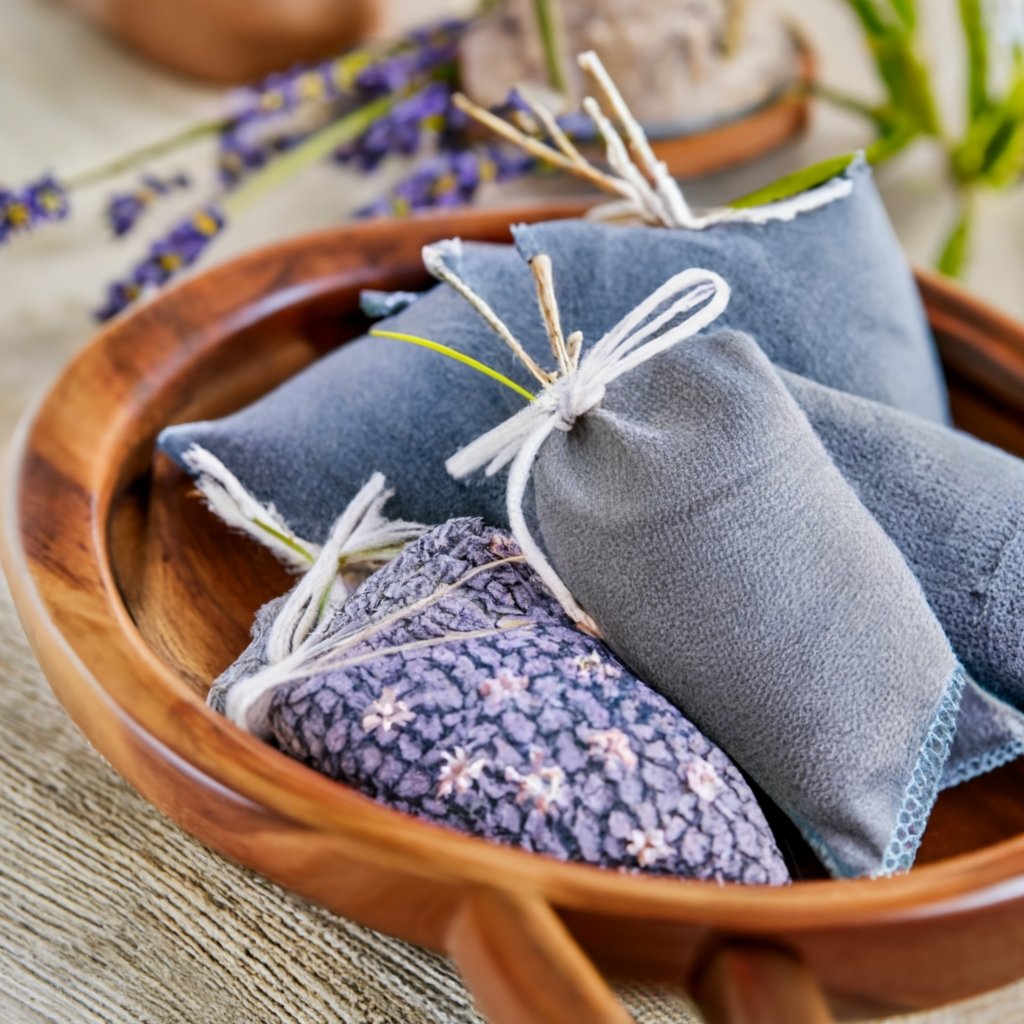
[
  {"x": 144, "y": 154},
  {"x": 636, "y": 138},
  {"x": 542, "y": 276},
  {"x": 444, "y": 274},
  {"x": 574, "y": 344},
  {"x": 543, "y": 152},
  {"x": 550, "y": 124},
  {"x": 647, "y": 200}
]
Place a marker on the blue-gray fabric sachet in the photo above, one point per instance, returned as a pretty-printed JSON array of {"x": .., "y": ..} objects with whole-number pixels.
[
  {"x": 697, "y": 519},
  {"x": 305, "y": 447},
  {"x": 451, "y": 686},
  {"x": 827, "y": 294},
  {"x": 954, "y": 507}
]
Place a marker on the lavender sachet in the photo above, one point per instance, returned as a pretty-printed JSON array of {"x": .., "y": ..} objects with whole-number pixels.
[{"x": 451, "y": 686}]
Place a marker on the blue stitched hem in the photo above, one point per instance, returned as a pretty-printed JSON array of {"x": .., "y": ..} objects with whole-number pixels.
[
  {"x": 982, "y": 764},
  {"x": 925, "y": 780},
  {"x": 918, "y": 799}
]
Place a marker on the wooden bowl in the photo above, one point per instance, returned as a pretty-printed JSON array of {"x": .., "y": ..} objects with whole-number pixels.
[
  {"x": 133, "y": 597},
  {"x": 694, "y": 150}
]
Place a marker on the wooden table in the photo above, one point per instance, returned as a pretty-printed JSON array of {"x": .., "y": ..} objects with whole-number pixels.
[{"x": 108, "y": 913}]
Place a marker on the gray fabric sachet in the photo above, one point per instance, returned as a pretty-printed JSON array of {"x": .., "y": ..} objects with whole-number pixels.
[
  {"x": 775, "y": 611},
  {"x": 286, "y": 449},
  {"x": 989, "y": 734},
  {"x": 468, "y": 699},
  {"x": 954, "y": 507},
  {"x": 828, "y": 294}
]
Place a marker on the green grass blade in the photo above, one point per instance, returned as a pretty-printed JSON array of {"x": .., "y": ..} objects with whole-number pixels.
[
  {"x": 458, "y": 356},
  {"x": 819, "y": 173}
]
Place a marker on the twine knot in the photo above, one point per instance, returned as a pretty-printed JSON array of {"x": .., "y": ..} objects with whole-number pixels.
[
  {"x": 574, "y": 398},
  {"x": 682, "y": 306}
]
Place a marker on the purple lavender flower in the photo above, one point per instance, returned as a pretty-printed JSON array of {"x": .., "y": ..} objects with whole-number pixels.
[
  {"x": 167, "y": 257},
  {"x": 424, "y": 52},
  {"x": 15, "y": 215},
  {"x": 125, "y": 208},
  {"x": 47, "y": 199},
  {"x": 42, "y": 201},
  {"x": 358, "y": 71},
  {"x": 120, "y": 295},
  {"x": 450, "y": 179},
  {"x": 401, "y": 130}
]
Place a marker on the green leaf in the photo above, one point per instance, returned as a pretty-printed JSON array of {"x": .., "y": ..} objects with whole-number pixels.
[
  {"x": 906, "y": 11},
  {"x": 953, "y": 258},
  {"x": 972, "y": 18},
  {"x": 799, "y": 181},
  {"x": 986, "y": 150},
  {"x": 810, "y": 177},
  {"x": 1005, "y": 155},
  {"x": 870, "y": 17}
]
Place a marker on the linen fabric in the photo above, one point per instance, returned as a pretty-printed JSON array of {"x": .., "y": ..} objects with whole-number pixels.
[
  {"x": 697, "y": 518},
  {"x": 484, "y": 709}
]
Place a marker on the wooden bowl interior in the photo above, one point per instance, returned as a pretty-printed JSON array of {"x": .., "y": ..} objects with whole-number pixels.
[{"x": 193, "y": 586}]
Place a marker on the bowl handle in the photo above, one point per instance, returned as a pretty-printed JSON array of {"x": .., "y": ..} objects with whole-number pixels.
[
  {"x": 523, "y": 967},
  {"x": 745, "y": 983}
]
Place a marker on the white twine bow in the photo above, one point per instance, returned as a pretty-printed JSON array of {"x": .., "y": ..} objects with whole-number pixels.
[
  {"x": 300, "y": 624},
  {"x": 360, "y": 540},
  {"x": 359, "y": 532},
  {"x": 698, "y": 296}
]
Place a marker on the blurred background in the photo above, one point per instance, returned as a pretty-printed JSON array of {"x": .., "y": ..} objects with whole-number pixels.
[{"x": 84, "y": 83}]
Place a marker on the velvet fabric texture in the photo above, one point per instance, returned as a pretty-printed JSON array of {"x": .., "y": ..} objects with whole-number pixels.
[
  {"x": 487, "y": 711},
  {"x": 697, "y": 518}
]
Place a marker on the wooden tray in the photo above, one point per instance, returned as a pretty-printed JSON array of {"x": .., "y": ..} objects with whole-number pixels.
[{"x": 133, "y": 597}]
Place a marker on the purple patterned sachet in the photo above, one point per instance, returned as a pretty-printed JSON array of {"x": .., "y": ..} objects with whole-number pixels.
[{"x": 454, "y": 688}]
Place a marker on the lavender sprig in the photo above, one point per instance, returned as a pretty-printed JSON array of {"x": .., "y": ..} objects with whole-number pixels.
[
  {"x": 124, "y": 209},
  {"x": 402, "y": 130},
  {"x": 450, "y": 179},
  {"x": 43, "y": 201},
  {"x": 278, "y": 113},
  {"x": 180, "y": 248}
]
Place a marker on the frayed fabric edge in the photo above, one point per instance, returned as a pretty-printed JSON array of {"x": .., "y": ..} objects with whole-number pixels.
[{"x": 982, "y": 764}]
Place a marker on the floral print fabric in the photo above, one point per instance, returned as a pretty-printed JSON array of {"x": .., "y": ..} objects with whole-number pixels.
[{"x": 457, "y": 691}]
